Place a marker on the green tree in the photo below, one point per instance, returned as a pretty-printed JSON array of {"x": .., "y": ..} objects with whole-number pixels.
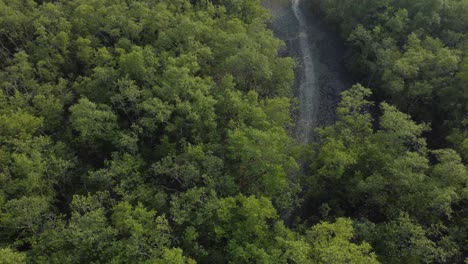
[
  {"x": 331, "y": 244},
  {"x": 8, "y": 256}
]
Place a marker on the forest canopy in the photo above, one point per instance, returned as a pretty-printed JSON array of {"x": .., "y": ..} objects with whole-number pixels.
[{"x": 143, "y": 131}]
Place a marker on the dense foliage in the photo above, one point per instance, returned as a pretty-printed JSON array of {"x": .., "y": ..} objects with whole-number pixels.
[
  {"x": 143, "y": 131},
  {"x": 149, "y": 131},
  {"x": 375, "y": 165},
  {"x": 413, "y": 53}
]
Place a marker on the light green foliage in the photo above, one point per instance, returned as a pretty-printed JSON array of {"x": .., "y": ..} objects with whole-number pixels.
[
  {"x": 159, "y": 132},
  {"x": 459, "y": 138},
  {"x": 121, "y": 121},
  {"x": 236, "y": 229},
  {"x": 458, "y": 100},
  {"x": 122, "y": 174},
  {"x": 145, "y": 234},
  {"x": 133, "y": 64},
  {"x": 452, "y": 177},
  {"x": 261, "y": 169},
  {"x": 173, "y": 256},
  {"x": 139, "y": 222},
  {"x": 8, "y": 256},
  {"x": 331, "y": 244},
  {"x": 132, "y": 233},
  {"x": 85, "y": 238},
  {"x": 422, "y": 67},
  {"x": 91, "y": 121},
  {"x": 343, "y": 142},
  {"x": 21, "y": 218},
  {"x": 252, "y": 226},
  {"x": 248, "y": 230}
]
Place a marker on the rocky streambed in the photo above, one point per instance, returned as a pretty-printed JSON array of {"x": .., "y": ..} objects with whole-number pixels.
[{"x": 320, "y": 71}]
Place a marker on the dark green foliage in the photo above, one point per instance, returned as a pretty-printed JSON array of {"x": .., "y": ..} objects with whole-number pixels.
[
  {"x": 407, "y": 200},
  {"x": 377, "y": 165},
  {"x": 412, "y": 53}
]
